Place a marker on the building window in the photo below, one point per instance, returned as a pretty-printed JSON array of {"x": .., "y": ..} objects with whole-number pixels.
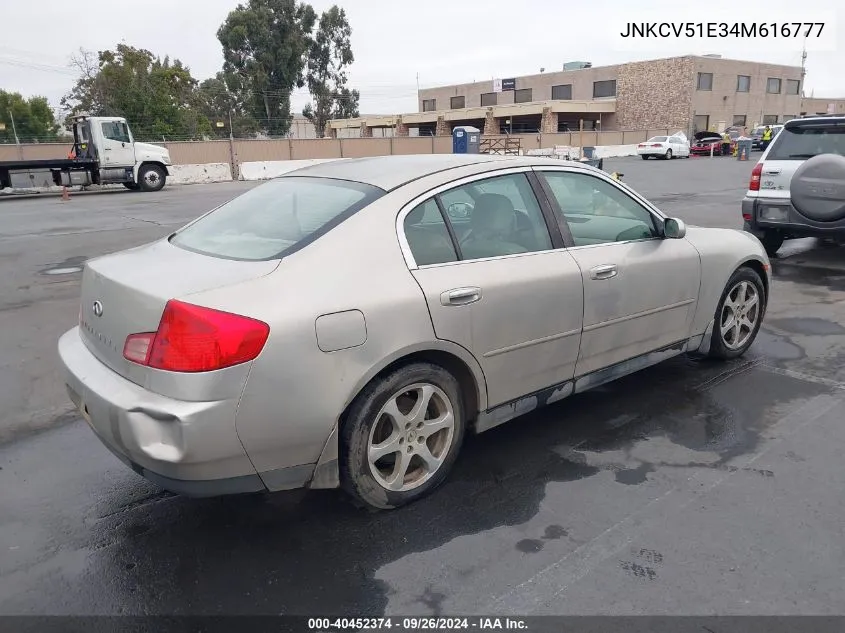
[
  {"x": 522, "y": 96},
  {"x": 739, "y": 120},
  {"x": 793, "y": 86},
  {"x": 701, "y": 122},
  {"x": 429, "y": 105},
  {"x": 787, "y": 117},
  {"x": 457, "y": 102},
  {"x": 770, "y": 119},
  {"x": 743, "y": 83},
  {"x": 604, "y": 89},
  {"x": 705, "y": 81},
  {"x": 773, "y": 86},
  {"x": 488, "y": 99},
  {"x": 563, "y": 92}
]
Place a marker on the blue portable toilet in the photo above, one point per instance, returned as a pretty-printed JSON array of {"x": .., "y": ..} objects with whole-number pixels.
[{"x": 465, "y": 139}]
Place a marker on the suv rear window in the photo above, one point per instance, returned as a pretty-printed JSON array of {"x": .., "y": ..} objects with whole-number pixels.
[
  {"x": 276, "y": 218},
  {"x": 806, "y": 140}
]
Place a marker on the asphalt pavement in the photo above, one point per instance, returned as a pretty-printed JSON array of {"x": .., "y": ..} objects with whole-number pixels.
[{"x": 689, "y": 488}]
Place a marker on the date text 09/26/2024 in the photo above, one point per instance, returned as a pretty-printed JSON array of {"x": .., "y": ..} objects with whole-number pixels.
[
  {"x": 325, "y": 625},
  {"x": 722, "y": 29}
]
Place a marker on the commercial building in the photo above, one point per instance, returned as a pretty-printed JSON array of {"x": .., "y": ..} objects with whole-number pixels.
[{"x": 690, "y": 93}]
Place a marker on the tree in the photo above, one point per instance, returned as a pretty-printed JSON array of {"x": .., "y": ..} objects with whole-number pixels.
[
  {"x": 328, "y": 58},
  {"x": 265, "y": 44},
  {"x": 157, "y": 96},
  {"x": 33, "y": 119},
  {"x": 220, "y": 102}
]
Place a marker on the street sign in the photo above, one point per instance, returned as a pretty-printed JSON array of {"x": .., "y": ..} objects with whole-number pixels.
[
  {"x": 221, "y": 124},
  {"x": 2, "y": 126}
]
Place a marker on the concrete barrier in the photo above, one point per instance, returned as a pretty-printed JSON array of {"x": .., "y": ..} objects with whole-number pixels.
[
  {"x": 196, "y": 174},
  {"x": 614, "y": 151},
  {"x": 266, "y": 169}
]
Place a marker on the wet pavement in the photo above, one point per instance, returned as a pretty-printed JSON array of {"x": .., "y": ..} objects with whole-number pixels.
[{"x": 690, "y": 488}]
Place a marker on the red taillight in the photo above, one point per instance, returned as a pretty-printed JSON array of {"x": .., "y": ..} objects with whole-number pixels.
[
  {"x": 754, "y": 185},
  {"x": 656, "y": 145},
  {"x": 191, "y": 338}
]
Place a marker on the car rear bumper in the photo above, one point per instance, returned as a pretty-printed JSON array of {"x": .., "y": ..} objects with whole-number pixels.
[
  {"x": 190, "y": 448},
  {"x": 759, "y": 213}
]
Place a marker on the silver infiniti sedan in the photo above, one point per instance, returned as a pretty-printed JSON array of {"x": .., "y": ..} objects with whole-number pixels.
[{"x": 348, "y": 323}]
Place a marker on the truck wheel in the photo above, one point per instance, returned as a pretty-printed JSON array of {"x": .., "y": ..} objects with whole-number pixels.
[
  {"x": 132, "y": 186},
  {"x": 151, "y": 178},
  {"x": 772, "y": 241}
]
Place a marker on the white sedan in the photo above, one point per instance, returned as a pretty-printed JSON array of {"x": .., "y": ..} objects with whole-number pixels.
[{"x": 664, "y": 147}]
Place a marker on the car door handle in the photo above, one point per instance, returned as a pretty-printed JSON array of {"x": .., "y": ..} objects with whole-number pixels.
[
  {"x": 606, "y": 271},
  {"x": 460, "y": 296},
  {"x": 108, "y": 149}
]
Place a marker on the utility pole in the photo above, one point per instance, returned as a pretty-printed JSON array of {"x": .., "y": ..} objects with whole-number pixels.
[
  {"x": 233, "y": 157},
  {"x": 15, "y": 132},
  {"x": 803, "y": 74}
]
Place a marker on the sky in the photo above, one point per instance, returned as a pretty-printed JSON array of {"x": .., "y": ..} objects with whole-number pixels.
[{"x": 399, "y": 44}]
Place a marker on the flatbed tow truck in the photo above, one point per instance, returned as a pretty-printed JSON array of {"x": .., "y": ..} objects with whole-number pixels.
[{"x": 104, "y": 153}]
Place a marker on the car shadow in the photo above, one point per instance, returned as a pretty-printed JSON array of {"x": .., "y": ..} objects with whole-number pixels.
[{"x": 310, "y": 552}]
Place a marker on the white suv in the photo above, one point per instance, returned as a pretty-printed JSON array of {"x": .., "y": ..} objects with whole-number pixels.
[{"x": 797, "y": 188}]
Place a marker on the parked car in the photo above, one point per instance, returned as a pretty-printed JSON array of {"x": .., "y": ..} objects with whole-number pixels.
[
  {"x": 675, "y": 146},
  {"x": 348, "y": 323},
  {"x": 706, "y": 141},
  {"x": 757, "y": 135},
  {"x": 797, "y": 189}
]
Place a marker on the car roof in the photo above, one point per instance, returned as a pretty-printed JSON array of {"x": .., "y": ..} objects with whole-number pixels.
[{"x": 390, "y": 172}]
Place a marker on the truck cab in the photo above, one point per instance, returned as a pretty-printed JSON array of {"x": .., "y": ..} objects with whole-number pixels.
[{"x": 119, "y": 158}]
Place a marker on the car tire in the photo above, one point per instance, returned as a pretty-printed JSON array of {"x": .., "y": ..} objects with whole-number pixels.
[
  {"x": 668, "y": 155},
  {"x": 132, "y": 186},
  {"x": 151, "y": 178},
  {"x": 644, "y": 156},
  {"x": 739, "y": 315},
  {"x": 772, "y": 241},
  {"x": 386, "y": 409}
]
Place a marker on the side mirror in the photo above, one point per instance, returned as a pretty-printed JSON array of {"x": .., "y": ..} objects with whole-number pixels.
[
  {"x": 674, "y": 229},
  {"x": 459, "y": 210}
]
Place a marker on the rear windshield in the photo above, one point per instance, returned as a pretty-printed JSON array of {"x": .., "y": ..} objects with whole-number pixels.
[
  {"x": 657, "y": 139},
  {"x": 808, "y": 140},
  {"x": 275, "y": 218}
]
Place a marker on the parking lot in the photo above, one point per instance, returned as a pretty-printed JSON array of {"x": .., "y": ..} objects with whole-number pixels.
[{"x": 688, "y": 488}]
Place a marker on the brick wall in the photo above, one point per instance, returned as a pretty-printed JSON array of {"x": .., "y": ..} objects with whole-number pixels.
[{"x": 655, "y": 94}]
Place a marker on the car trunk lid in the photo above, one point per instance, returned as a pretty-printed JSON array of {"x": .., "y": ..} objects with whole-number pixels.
[{"x": 125, "y": 293}]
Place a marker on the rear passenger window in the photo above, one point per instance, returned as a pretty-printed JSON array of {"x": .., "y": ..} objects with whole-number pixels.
[{"x": 428, "y": 236}]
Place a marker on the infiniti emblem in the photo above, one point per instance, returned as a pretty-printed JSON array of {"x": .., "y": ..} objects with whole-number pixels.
[{"x": 98, "y": 309}]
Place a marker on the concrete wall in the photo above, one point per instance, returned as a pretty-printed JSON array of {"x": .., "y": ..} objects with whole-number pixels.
[
  {"x": 540, "y": 85},
  {"x": 723, "y": 102},
  {"x": 820, "y": 105},
  {"x": 272, "y": 151}
]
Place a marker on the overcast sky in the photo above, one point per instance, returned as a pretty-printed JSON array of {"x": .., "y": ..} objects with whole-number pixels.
[{"x": 444, "y": 41}]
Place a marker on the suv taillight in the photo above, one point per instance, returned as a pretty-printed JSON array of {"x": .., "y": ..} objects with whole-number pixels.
[
  {"x": 191, "y": 338},
  {"x": 754, "y": 185}
]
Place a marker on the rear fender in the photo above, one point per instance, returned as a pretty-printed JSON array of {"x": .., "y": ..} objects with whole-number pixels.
[{"x": 326, "y": 471}]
